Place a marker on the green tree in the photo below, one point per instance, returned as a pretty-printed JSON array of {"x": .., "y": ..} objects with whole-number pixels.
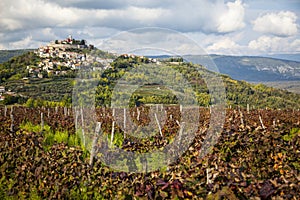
[
  {"x": 66, "y": 100},
  {"x": 9, "y": 99},
  {"x": 30, "y": 103},
  {"x": 82, "y": 42}
]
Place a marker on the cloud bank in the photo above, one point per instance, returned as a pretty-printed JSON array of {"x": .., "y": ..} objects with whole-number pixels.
[
  {"x": 219, "y": 26},
  {"x": 280, "y": 24}
]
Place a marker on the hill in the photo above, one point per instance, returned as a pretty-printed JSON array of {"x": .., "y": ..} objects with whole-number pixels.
[
  {"x": 5, "y": 55},
  {"x": 268, "y": 68},
  {"x": 279, "y": 71},
  {"x": 237, "y": 92},
  {"x": 252, "y": 68},
  {"x": 292, "y": 86},
  {"x": 48, "y": 74},
  {"x": 292, "y": 57}
]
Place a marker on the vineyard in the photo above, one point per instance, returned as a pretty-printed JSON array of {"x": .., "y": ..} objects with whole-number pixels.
[{"x": 257, "y": 156}]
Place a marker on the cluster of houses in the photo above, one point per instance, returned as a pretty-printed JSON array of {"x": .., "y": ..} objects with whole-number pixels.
[
  {"x": 141, "y": 58},
  {"x": 2, "y": 91},
  {"x": 59, "y": 57}
]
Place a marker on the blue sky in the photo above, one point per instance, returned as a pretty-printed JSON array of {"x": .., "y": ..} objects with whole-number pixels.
[{"x": 238, "y": 27}]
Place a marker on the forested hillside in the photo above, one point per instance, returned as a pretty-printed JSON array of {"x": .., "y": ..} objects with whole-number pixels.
[
  {"x": 237, "y": 92},
  {"x": 59, "y": 88},
  {"x": 5, "y": 55}
]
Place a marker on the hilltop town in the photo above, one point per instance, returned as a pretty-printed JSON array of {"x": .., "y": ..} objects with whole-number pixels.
[
  {"x": 59, "y": 59},
  {"x": 61, "y": 56}
]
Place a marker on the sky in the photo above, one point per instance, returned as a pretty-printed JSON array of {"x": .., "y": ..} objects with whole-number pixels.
[{"x": 232, "y": 27}]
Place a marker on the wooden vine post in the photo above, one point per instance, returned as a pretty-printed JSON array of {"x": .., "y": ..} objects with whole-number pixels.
[
  {"x": 160, "y": 132},
  {"x": 124, "y": 121},
  {"x": 261, "y": 122},
  {"x": 42, "y": 121},
  {"x": 5, "y": 111},
  {"x": 138, "y": 114},
  {"x": 242, "y": 118},
  {"x": 76, "y": 118},
  {"x": 82, "y": 126},
  {"x": 113, "y": 127},
  {"x": 12, "y": 119},
  {"x": 95, "y": 141}
]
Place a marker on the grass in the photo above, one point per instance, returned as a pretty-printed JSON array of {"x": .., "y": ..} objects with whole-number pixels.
[
  {"x": 28, "y": 126},
  {"x": 50, "y": 136},
  {"x": 293, "y": 133}
]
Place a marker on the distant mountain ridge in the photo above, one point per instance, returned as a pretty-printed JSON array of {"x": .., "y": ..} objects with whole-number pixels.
[
  {"x": 291, "y": 57},
  {"x": 255, "y": 68},
  {"x": 248, "y": 68},
  {"x": 5, "y": 55},
  {"x": 274, "y": 72}
]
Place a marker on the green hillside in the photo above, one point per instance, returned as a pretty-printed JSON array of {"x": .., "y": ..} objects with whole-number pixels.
[
  {"x": 238, "y": 93},
  {"x": 59, "y": 87},
  {"x": 292, "y": 86},
  {"x": 5, "y": 55}
]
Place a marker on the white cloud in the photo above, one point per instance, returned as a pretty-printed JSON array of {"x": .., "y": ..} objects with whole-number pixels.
[
  {"x": 2, "y": 47},
  {"x": 48, "y": 32},
  {"x": 10, "y": 24},
  {"x": 192, "y": 15},
  {"x": 222, "y": 44},
  {"x": 28, "y": 14},
  {"x": 220, "y": 26},
  {"x": 265, "y": 43},
  {"x": 280, "y": 24},
  {"x": 225, "y": 45},
  {"x": 295, "y": 45},
  {"x": 233, "y": 18},
  {"x": 22, "y": 44},
  {"x": 163, "y": 40},
  {"x": 275, "y": 44},
  {"x": 205, "y": 16}
]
